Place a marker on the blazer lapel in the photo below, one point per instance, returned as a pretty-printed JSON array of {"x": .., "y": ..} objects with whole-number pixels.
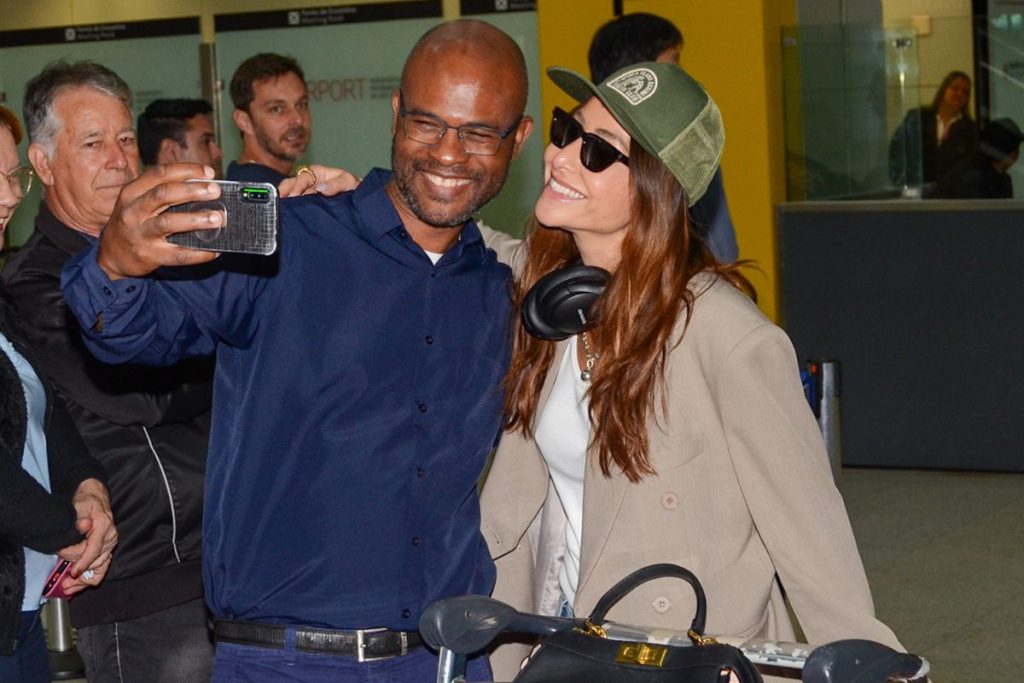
[{"x": 527, "y": 484}]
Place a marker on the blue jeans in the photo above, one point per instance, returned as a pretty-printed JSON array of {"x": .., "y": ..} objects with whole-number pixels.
[
  {"x": 30, "y": 662},
  {"x": 236, "y": 663},
  {"x": 170, "y": 646}
]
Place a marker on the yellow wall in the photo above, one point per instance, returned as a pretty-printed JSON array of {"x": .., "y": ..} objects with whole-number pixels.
[{"x": 732, "y": 46}]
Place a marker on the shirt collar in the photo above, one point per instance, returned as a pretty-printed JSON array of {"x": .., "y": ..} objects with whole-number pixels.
[
  {"x": 67, "y": 239},
  {"x": 378, "y": 214}
]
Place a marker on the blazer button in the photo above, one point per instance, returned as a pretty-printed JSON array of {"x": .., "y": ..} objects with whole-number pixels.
[
  {"x": 670, "y": 500},
  {"x": 661, "y": 604}
]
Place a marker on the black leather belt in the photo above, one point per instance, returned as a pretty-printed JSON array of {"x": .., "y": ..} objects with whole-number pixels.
[{"x": 366, "y": 645}]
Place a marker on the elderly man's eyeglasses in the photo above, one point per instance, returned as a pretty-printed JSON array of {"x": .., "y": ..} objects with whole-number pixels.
[
  {"x": 596, "y": 154},
  {"x": 428, "y": 129},
  {"x": 19, "y": 180}
]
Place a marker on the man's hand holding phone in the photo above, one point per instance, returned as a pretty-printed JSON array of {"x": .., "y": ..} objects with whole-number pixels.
[{"x": 134, "y": 241}]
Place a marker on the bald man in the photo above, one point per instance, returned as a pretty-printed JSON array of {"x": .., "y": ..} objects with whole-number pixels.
[{"x": 357, "y": 391}]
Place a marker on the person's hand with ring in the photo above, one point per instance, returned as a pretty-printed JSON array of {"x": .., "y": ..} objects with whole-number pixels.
[{"x": 317, "y": 179}]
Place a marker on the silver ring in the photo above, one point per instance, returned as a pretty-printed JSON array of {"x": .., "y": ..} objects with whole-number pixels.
[{"x": 88, "y": 574}]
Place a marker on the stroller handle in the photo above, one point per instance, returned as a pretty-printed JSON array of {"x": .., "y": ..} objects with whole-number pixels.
[
  {"x": 463, "y": 625},
  {"x": 466, "y": 624}
]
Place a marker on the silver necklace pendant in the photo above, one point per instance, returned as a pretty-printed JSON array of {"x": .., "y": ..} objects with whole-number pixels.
[{"x": 589, "y": 358}]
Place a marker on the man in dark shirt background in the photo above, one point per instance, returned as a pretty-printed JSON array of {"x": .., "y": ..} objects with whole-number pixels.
[
  {"x": 178, "y": 130},
  {"x": 272, "y": 112},
  {"x": 357, "y": 390}
]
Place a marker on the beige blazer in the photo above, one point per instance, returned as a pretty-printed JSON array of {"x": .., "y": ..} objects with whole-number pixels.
[{"x": 743, "y": 497}]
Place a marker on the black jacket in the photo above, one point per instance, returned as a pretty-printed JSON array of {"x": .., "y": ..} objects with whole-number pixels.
[
  {"x": 148, "y": 426},
  {"x": 29, "y": 516},
  {"x": 980, "y": 180},
  {"x": 915, "y": 155}
]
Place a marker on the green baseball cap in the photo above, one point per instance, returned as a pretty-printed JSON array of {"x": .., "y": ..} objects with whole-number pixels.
[{"x": 663, "y": 109}]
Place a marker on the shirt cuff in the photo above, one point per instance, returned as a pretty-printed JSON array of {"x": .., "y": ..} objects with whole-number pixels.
[{"x": 97, "y": 301}]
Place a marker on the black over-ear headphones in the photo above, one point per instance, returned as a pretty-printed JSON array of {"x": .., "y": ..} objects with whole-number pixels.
[{"x": 558, "y": 305}]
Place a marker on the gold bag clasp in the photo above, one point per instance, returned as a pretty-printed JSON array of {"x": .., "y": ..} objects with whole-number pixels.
[{"x": 643, "y": 654}]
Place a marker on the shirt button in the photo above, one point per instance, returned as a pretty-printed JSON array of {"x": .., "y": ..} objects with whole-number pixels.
[
  {"x": 420, "y": 472},
  {"x": 422, "y": 407},
  {"x": 131, "y": 289},
  {"x": 406, "y": 614},
  {"x": 106, "y": 290},
  {"x": 670, "y": 500},
  {"x": 433, "y": 273},
  {"x": 416, "y": 540},
  {"x": 429, "y": 340},
  {"x": 661, "y": 604}
]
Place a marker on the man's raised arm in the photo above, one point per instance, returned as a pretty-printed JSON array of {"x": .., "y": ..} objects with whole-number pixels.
[{"x": 127, "y": 317}]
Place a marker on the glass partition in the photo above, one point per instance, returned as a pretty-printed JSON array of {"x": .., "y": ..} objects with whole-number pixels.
[
  {"x": 846, "y": 89},
  {"x": 1000, "y": 39},
  {"x": 875, "y": 112}
]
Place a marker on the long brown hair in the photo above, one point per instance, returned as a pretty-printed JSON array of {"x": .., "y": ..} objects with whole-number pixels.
[
  {"x": 635, "y": 316},
  {"x": 948, "y": 81}
]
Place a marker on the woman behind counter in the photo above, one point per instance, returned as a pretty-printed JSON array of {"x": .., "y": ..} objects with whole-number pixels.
[
  {"x": 50, "y": 489},
  {"x": 676, "y": 428},
  {"x": 938, "y": 140}
]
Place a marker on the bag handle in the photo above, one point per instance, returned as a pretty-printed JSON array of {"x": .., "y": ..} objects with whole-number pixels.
[{"x": 643, "y": 575}]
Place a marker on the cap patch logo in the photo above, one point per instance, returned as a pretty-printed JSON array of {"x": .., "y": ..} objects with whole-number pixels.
[{"x": 636, "y": 85}]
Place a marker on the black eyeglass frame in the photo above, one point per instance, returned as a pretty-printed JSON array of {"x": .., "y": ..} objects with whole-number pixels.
[
  {"x": 444, "y": 127},
  {"x": 596, "y": 153}
]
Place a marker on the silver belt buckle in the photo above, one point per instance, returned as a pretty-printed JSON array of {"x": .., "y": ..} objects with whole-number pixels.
[{"x": 361, "y": 645}]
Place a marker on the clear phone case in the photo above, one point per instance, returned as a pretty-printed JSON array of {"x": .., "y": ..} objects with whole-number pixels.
[{"x": 251, "y": 226}]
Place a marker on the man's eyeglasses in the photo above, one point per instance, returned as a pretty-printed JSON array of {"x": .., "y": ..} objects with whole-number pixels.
[
  {"x": 428, "y": 130},
  {"x": 596, "y": 154},
  {"x": 19, "y": 180}
]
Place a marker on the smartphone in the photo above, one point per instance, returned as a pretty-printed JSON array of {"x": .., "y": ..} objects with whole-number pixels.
[
  {"x": 52, "y": 587},
  {"x": 250, "y": 227}
]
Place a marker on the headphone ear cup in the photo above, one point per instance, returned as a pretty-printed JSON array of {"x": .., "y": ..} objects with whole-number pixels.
[
  {"x": 559, "y": 304},
  {"x": 535, "y": 321}
]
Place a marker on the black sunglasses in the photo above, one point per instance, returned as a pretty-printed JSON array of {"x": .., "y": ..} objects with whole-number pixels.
[{"x": 596, "y": 154}]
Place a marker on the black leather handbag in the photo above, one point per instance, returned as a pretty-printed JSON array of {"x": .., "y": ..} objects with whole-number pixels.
[{"x": 587, "y": 655}]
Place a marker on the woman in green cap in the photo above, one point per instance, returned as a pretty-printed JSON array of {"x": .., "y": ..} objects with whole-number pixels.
[{"x": 666, "y": 422}]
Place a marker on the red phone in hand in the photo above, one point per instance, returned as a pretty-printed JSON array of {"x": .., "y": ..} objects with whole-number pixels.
[{"x": 52, "y": 588}]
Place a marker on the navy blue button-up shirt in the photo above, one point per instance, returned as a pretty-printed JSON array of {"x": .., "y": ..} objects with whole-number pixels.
[{"x": 356, "y": 399}]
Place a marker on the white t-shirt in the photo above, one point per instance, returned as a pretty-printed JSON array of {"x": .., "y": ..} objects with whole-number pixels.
[
  {"x": 941, "y": 127},
  {"x": 563, "y": 433}
]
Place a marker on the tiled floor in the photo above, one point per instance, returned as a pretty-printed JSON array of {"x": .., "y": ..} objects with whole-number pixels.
[{"x": 944, "y": 552}]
